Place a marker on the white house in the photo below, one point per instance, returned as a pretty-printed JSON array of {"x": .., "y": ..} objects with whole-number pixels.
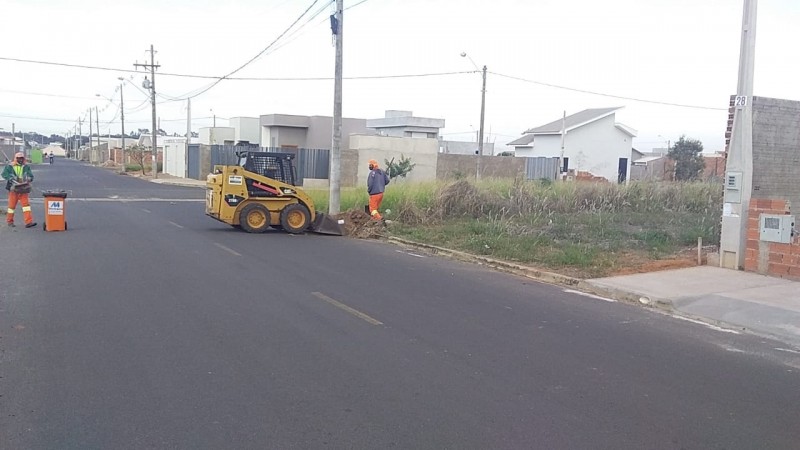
[
  {"x": 594, "y": 142},
  {"x": 217, "y": 135},
  {"x": 246, "y": 129}
]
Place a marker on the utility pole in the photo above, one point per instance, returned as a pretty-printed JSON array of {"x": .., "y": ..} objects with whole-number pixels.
[
  {"x": 122, "y": 116},
  {"x": 97, "y": 122},
  {"x": 739, "y": 166},
  {"x": 151, "y": 84},
  {"x": 188, "y": 137},
  {"x": 13, "y": 137},
  {"x": 483, "y": 111},
  {"x": 337, "y": 25},
  {"x": 91, "y": 144},
  {"x": 80, "y": 137},
  {"x": 561, "y": 170}
]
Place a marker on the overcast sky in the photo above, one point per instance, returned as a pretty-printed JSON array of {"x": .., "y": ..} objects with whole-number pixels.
[{"x": 670, "y": 51}]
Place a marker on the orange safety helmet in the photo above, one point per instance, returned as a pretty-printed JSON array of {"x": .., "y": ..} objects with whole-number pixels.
[{"x": 373, "y": 163}]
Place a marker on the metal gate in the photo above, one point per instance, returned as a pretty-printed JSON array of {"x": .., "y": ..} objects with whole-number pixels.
[
  {"x": 540, "y": 167},
  {"x": 193, "y": 161}
]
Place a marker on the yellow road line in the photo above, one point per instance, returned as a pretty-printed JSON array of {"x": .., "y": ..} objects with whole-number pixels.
[
  {"x": 234, "y": 252},
  {"x": 347, "y": 309}
]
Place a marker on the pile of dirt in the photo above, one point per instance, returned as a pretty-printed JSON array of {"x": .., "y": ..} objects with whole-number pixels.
[{"x": 359, "y": 224}]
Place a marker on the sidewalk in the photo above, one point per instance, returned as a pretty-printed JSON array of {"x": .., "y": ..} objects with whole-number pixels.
[
  {"x": 743, "y": 300},
  {"x": 177, "y": 181}
]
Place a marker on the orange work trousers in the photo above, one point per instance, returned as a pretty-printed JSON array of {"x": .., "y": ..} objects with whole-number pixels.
[
  {"x": 375, "y": 204},
  {"x": 13, "y": 198}
]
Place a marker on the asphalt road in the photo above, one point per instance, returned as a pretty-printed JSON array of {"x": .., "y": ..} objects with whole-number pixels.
[{"x": 149, "y": 325}]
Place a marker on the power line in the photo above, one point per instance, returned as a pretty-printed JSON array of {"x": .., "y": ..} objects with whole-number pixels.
[
  {"x": 296, "y": 34},
  {"x": 656, "y": 102},
  {"x": 208, "y": 77},
  {"x": 257, "y": 55},
  {"x": 38, "y": 118},
  {"x": 353, "y": 6},
  {"x": 44, "y": 94}
]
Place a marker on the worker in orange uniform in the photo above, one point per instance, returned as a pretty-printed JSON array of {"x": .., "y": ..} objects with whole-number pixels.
[
  {"x": 19, "y": 177},
  {"x": 376, "y": 184}
]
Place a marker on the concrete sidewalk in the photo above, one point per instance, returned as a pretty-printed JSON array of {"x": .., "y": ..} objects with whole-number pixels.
[
  {"x": 740, "y": 300},
  {"x": 176, "y": 181}
]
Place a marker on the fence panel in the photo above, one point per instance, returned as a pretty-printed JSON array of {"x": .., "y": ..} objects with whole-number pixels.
[
  {"x": 540, "y": 167},
  {"x": 310, "y": 162},
  {"x": 193, "y": 171}
]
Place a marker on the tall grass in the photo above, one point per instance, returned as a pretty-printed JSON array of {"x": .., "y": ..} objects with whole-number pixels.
[{"x": 590, "y": 226}]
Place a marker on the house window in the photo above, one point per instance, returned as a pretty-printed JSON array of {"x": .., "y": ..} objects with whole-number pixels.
[{"x": 565, "y": 166}]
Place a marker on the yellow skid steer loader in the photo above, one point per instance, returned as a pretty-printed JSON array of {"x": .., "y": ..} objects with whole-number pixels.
[{"x": 260, "y": 193}]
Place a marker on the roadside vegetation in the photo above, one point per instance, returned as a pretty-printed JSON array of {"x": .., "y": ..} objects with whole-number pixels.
[{"x": 583, "y": 229}]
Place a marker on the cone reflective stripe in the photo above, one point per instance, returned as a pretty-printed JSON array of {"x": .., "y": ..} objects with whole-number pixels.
[
  {"x": 10, "y": 211},
  {"x": 26, "y": 209}
]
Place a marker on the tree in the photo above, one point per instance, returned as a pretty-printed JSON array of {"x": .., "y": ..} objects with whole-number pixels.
[
  {"x": 689, "y": 163},
  {"x": 400, "y": 168},
  {"x": 138, "y": 155}
]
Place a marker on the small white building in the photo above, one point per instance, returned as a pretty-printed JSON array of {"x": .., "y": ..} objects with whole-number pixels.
[
  {"x": 174, "y": 156},
  {"x": 217, "y": 135},
  {"x": 246, "y": 129},
  {"x": 594, "y": 143}
]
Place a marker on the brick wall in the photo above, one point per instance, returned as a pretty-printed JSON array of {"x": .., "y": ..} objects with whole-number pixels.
[{"x": 770, "y": 258}]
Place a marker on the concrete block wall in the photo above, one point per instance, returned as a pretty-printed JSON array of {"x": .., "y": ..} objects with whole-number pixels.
[
  {"x": 452, "y": 166},
  {"x": 770, "y": 258},
  {"x": 776, "y": 149},
  {"x": 422, "y": 152}
]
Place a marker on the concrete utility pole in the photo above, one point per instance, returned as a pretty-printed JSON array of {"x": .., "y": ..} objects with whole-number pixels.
[
  {"x": 122, "y": 119},
  {"x": 563, "y": 145},
  {"x": 91, "y": 144},
  {"x": 97, "y": 122},
  {"x": 80, "y": 137},
  {"x": 483, "y": 112},
  {"x": 188, "y": 137},
  {"x": 337, "y": 27},
  {"x": 739, "y": 167},
  {"x": 152, "y": 86}
]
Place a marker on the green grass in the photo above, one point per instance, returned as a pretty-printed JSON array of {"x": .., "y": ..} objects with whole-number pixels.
[{"x": 585, "y": 226}]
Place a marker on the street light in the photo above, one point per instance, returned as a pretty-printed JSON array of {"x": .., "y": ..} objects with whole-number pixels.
[{"x": 483, "y": 102}]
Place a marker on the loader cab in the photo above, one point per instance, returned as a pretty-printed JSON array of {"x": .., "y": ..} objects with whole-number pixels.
[{"x": 278, "y": 166}]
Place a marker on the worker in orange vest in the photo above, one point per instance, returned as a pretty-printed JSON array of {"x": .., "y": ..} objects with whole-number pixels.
[
  {"x": 376, "y": 184},
  {"x": 19, "y": 177}
]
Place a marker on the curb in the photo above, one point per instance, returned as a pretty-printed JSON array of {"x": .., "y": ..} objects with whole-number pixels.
[
  {"x": 177, "y": 183},
  {"x": 626, "y": 296},
  {"x": 545, "y": 277}
]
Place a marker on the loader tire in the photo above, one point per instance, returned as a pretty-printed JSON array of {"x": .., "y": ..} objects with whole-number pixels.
[
  {"x": 295, "y": 218},
  {"x": 254, "y": 218}
]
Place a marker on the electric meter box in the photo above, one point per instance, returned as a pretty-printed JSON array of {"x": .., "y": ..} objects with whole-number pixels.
[
  {"x": 776, "y": 228},
  {"x": 733, "y": 187}
]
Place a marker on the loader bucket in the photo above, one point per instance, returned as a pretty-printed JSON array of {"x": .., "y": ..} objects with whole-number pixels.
[{"x": 324, "y": 224}]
